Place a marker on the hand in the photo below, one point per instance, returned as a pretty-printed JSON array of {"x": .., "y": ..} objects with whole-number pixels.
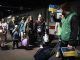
[
  {"x": 69, "y": 46},
  {"x": 55, "y": 32}
]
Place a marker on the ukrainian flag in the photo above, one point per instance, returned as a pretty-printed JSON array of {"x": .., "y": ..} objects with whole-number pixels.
[{"x": 52, "y": 8}]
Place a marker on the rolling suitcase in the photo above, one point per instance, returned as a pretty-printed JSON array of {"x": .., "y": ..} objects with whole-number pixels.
[{"x": 44, "y": 53}]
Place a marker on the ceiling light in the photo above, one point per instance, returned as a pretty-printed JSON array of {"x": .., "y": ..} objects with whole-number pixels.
[
  {"x": 9, "y": 10},
  {"x": 0, "y": 5},
  {"x": 9, "y": 16}
]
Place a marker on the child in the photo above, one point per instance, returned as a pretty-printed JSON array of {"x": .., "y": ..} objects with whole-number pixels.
[
  {"x": 24, "y": 41},
  {"x": 1, "y": 36},
  {"x": 58, "y": 30},
  {"x": 15, "y": 38}
]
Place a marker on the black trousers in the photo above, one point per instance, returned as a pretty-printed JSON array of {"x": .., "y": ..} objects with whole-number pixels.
[
  {"x": 15, "y": 42},
  {"x": 40, "y": 38},
  {"x": 11, "y": 32}
]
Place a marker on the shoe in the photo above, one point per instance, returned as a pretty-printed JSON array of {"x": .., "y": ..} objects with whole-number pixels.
[
  {"x": 57, "y": 54},
  {"x": 41, "y": 46}
]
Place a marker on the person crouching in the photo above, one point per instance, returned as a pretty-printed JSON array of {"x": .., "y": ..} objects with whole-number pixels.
[{"x": 24, "y": 41}]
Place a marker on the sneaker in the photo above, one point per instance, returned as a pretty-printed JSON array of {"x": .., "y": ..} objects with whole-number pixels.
[
  {"x": 57, "y": 54},
  {"x": 41, "y": 46}
]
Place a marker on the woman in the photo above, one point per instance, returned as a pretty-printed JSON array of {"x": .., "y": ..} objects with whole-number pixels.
[{"x": 21, "y": 28}]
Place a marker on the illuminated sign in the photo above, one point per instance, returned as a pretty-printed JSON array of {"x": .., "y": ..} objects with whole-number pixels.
[{"x": 52, "y": 8}]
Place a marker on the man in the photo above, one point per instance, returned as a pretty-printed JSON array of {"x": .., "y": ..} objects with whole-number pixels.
[{"x": 69, "y": 31}]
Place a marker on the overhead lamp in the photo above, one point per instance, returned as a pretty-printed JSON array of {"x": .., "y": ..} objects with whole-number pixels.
[
  {"x": 0, "y": 5},
  {"x": 17, "y": 16},
  {"x": 9, "y": 16},
  {"x": 21, "y": 8},
  {"x": 29, "y": 8},
  {"x": 9, "y": 10}
]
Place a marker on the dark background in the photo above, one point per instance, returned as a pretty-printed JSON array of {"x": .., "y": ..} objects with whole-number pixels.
[{"x": 8, "y": 7}]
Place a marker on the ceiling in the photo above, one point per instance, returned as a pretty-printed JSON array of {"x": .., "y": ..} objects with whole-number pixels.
[
  {"x": 16, "y": 6},
  {"x": 28, "y": 3}
]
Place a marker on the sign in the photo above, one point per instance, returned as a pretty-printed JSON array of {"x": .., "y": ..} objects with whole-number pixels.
[{"x": 52, "y": 8}]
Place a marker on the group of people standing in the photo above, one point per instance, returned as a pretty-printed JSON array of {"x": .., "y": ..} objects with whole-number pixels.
[{"x": 28, "y": 31}]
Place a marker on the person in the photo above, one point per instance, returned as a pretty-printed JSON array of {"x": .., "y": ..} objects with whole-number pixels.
[
  {"x": 40, "y": 28},
  {"x": 11, "y": 26},
  {"x": 58, "y": 26},
  {"x": 69, "y": 33},
  {"x": 26, "y": 25},
  {"x": 58, "y": 30},
  {"x": 79, "y": 33},
  {"x": 25, "y": 41},
  {"x": 15, "y": 37},
  {"x": 5, "y": 28},
  {"x": 30, "y": 33},
  {"x": 1, "y": 35},
  {"x": 21, "y": 28}
]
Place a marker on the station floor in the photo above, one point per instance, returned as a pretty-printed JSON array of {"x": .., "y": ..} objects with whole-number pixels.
[
  {"x": 21, "y": 54},
  {"x": 17, "y": 54}
]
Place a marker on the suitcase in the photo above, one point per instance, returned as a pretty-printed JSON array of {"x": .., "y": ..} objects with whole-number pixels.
[
  {"x": 68, "y": 52},
  {"x": 44, "y": 53}
]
